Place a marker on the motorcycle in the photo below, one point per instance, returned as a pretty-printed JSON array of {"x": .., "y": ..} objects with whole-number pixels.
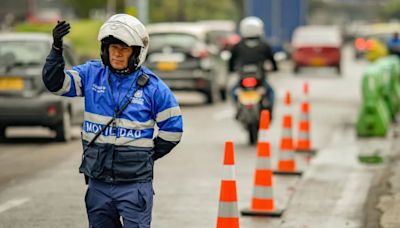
[{"x": 251, "y": 99}]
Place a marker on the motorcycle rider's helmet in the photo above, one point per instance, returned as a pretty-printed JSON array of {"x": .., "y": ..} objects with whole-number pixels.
[
  {"x": 251, "y": 27},
  {"x": 124, "y": 29}
]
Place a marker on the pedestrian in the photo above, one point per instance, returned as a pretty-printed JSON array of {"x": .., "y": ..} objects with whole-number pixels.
[
  {"x": 393, "y": 44},
  {"x": 123, "y": 102}
]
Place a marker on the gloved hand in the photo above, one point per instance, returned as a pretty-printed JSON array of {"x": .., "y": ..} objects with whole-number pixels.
[{"x": 59, "y": 31}]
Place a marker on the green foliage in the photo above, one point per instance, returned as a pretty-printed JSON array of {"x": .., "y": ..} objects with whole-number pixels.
[
  {"x": 83, "y": 35},
  {"x": 83, "y": 7},
  {"x": 170, "y": 10},
  {"x": 191, "y": 10},
  {"x": 27, "y": 27},
  {"x": 391, "y": 10}
]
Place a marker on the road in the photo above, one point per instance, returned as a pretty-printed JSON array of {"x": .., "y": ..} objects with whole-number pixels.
[{"x": 40, "y": 185}]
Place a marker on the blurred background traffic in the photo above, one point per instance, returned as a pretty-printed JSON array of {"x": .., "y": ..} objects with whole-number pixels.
[
  {"x": 190, "y": 41},
  {"x": 361, "y": 23}
]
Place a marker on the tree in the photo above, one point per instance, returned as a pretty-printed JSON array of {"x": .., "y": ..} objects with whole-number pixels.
[
  {"x": 82, "y": 7},
  {"x": 192, "y": 10},
  {"x": 391, "y": 10}
]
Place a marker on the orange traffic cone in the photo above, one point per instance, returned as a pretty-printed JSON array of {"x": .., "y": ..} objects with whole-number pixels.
[
  {"x": 287, "y": 162},
  {"x": 304, "y": 139},
  {"x": 228, "y": 213},
  {"x": 262, "y": 202}
]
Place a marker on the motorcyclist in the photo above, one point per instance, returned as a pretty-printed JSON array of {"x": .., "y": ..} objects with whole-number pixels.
[{"x": 253, "y": 49}]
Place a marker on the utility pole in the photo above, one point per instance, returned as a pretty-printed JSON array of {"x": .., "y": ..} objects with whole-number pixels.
[
  {"x": 242, "y": 6},
  {"x": 139, "y": 9},
  {"x": 111, "y": 7},
  {"x": 181, "y": 10}
]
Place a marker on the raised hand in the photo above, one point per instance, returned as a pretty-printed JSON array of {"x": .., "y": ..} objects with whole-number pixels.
[{"x": 59, "y": 31}]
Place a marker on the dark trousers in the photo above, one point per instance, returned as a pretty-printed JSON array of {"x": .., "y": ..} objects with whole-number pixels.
[{"x": 107, "y": 204}]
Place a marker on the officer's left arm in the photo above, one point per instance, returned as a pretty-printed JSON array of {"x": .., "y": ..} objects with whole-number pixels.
[{"x": 169, "y": 121}]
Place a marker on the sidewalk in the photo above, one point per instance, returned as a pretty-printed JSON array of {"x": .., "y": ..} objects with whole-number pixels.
[{"x": 389, "y": 202}]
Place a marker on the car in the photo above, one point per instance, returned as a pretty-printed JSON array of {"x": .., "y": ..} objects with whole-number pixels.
[
  {"x": 24, "y": 100},
  {"x": 316, "y": 46},
  {"x": 221, "y": 33},
  {"x": 180, "y": 55}
]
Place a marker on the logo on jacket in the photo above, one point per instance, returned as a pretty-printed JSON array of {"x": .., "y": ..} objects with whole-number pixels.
[
  {"x": 138, "y": 93},
  {"x": 98, "y": 88},
  {"x": 137, "y": 97}
]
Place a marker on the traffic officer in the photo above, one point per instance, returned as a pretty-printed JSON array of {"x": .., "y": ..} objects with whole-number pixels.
[{"x": 123, "y": 102}]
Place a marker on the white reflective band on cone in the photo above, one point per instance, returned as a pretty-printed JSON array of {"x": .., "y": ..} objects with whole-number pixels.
[
  {"x": 286, "y": 155},
  {"x": 287, "y": 133},
  {"x": 303, "y": 135},
  {"x": 263, "y": 135},
  {"x": 228, "y": 172},
  {"x": 228, "y": 210},
  {"x": 262, "y": 192},
  {"x": 263, "y": 163}
]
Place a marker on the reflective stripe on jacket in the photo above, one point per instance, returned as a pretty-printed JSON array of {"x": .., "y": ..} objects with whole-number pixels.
[{"x": 126, "y": 150}]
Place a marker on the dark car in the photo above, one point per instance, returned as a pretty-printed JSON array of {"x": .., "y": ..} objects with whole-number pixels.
[
  {"x": 180, "y": 55},
  {"x": 24, "y": 100}
]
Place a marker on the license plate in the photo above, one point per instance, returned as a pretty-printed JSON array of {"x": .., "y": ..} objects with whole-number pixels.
[
  {"x": 11, "y": 84},
  {"x": 249, "y": 97},
  {"x": 317, "y": 62},
  {"x": 166, "y": 66}
]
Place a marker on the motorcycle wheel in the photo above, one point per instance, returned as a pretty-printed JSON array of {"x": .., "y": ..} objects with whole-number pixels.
[{"x": 253, "y": 133}]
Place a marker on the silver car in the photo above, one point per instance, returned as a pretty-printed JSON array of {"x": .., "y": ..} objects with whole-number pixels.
[
  {"x": 180, "y": 54},
  {"x": 24, "y": 100}
]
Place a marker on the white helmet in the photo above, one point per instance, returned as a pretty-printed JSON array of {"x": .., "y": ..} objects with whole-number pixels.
[
  {"x": 130, "y": 31},
  {"x": 251, "y": 27}
]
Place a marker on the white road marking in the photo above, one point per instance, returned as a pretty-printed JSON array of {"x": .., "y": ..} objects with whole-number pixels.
[{"x": 12, "y": 203}]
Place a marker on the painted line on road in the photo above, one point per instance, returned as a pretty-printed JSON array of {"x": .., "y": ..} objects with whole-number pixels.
[
  {"x": 223, "y": 115},
  {"x": 12, "y": 203}
]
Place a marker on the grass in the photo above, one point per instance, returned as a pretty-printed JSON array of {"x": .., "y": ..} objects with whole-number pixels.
[{"x": 83, "y": 35}]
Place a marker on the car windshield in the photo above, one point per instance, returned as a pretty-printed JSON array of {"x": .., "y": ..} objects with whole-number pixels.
[
  {"x": 16, "y": 53},
  {"x": 317, "y": 37},
  {"x": 217, "y": 36},
  {"x": 173, "y": 40}
]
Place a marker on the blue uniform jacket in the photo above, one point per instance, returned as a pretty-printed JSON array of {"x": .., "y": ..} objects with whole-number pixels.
[{"x": 127, "y": 149}]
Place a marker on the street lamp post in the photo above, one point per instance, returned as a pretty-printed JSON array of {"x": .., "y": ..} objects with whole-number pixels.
[{"x": 141, "y": 9}]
